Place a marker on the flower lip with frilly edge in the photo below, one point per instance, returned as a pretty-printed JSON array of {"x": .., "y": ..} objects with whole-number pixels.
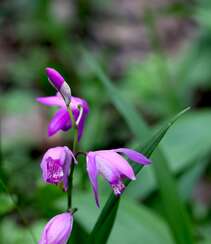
[
  {"x": 56, "y": 164},
  {"x": 113, "y": 167},
  {"x": 57, "y": 230},
  {"x": 61, "y": 120}
]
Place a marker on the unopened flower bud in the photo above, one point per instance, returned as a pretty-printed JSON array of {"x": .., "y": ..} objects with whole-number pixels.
[
  {"x": 57, "y": 230},
  {"x": 60, "y": 84}
]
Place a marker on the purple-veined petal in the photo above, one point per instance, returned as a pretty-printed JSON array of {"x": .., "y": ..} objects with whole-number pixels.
[
  {"x": 117, "y": 163},
  {"x": 51, "y": 101},
  {"x": 92, "y": 173},
  {"x": 133, "y": 155},
  {"x": 55, "y": 172},
  {"x": 56, "y": 164},
  {"x": 60, "y": 121},
  {"x": 56, "y": 153},
  {"x": 118, "y": 188}
]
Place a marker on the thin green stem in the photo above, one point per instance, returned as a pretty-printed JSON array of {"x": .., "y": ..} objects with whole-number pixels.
[
  {"x": 70, "y": 186},
  {"x": 71, "y": 117},
  {"x": 75, "y": 140},
  {"x": 70, "y": 178}
]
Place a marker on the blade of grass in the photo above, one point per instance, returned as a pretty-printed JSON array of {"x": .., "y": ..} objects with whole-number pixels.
[
  {"x": 175, "y": 211},
  {"x": 104, "y": 224}
]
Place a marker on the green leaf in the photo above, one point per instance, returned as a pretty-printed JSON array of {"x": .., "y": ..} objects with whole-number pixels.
[
  {"x": 190, "y": 132},
  {"x": 180, "y": 140},
  {"x": 189, "y": 179},
  {"x": 207, "y": 241},
  {"x": 105, "y": 221},
  {"x": 175, "y": 212},
  {"x": 6, "y": 203},
  {"x": 134, "y": 222}
]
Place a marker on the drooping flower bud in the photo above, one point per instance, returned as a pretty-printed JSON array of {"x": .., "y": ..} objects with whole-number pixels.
[
  {"x": 57, "y": 230},
  {"x": 56, "y": 164},
  {"x": 60, "y": 84}
]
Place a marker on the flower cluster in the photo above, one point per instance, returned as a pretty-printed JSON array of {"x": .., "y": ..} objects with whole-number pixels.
[{"x": 57, "y": 162}]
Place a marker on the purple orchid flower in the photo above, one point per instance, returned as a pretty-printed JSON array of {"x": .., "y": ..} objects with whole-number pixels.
[
  {"x": 60, "y": 84},
  {"x": 61, "y": 120},
  {"x": 57, "y": 230},
  {"x": 56, "y": 164},
  {"x": 113, "y": 167}
]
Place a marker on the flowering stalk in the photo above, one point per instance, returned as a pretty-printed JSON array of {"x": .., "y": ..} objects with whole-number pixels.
[
  {"x": 58, "y": 163},
  {"x": 70, "y": 178}
]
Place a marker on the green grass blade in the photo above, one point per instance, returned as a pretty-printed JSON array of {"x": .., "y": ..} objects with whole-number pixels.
[
  {"x": 103, "y": 226},
  {"x": 134, "y": 223},
  {"x": 105, "y": 222},
  {"x": 175, "y": 211}
]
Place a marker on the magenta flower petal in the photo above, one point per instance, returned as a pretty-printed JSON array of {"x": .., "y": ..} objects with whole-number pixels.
[
  {"x": 55, "y": 78},
  {"x": 81, "y": 118},
  {"x": 57, "y": 230},
  {"x": 93, "y": 172},
  {"x": 60, "y": 121},
  {"x": 118, "y": 163},
  {"x": 59, "y": 83},
  {"x": 66, "y": 168},
  {"x": 51, "y": 101},
  {"x": 56, "y": 164},
  {"x": 113, "y": 167},
  {"x": 133, "y": 155}
]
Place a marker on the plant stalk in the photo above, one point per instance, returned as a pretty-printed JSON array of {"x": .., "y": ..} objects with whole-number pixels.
[{"x": 74, "y": 148}]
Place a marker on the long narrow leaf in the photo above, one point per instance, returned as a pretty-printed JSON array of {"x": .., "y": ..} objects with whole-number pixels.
[
  {"x": 103, "y": 226},
  {"x": 135, "y": 223},
  {"x": 175, "y": 211},
  {"x": 102, "y": 233}
]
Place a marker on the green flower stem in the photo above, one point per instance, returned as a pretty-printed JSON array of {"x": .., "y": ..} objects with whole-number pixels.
[{"x": 70, "y": 178}]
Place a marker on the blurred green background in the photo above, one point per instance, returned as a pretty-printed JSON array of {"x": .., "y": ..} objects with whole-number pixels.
[{"x": 158, "y": 56}]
